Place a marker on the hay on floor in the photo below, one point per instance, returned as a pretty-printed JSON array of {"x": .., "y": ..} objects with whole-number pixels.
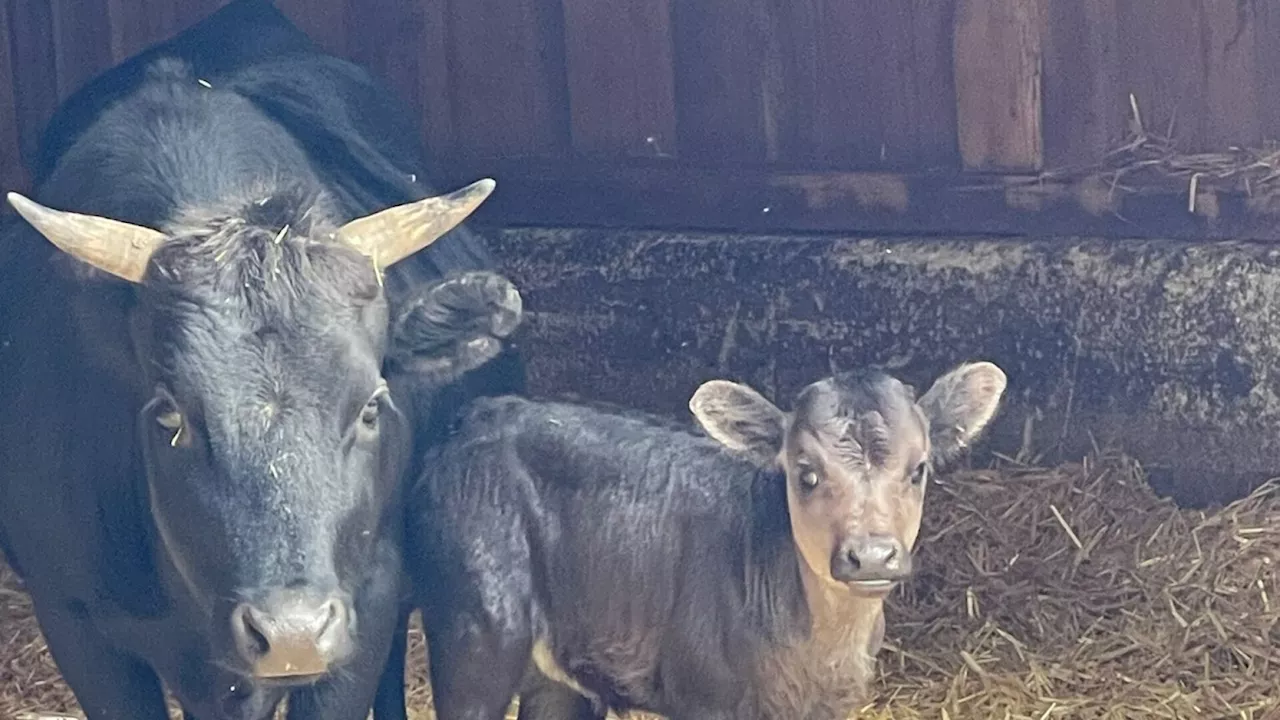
[
  {"x": 1068, "y": 592},
  {"x": 1076, "y": 592}
]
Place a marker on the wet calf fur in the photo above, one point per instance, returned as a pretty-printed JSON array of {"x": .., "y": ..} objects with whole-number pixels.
[{"x": 592, "y": 560}]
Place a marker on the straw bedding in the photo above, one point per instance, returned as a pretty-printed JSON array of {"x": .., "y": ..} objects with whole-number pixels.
[{"x": 1066, "y": 592}]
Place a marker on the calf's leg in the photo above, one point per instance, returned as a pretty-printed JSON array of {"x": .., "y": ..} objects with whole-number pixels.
[
  {"x": 477, "y": 661},
  {"x": 388, "y": 704},
  {"x": 545, "y": 699}
]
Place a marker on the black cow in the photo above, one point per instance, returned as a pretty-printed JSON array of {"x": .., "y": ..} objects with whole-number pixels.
[
  {"x": 593, "y": 560},
  {"x": 207, "y": 414}
]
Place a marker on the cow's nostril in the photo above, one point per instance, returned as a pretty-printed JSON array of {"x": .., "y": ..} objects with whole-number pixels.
[
  {"x": 335, "y": 620},
  {"x": 250, "y": 636}
]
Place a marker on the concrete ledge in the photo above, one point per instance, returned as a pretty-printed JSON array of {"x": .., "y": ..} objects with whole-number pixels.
[{"x": 1168, "y": 350}]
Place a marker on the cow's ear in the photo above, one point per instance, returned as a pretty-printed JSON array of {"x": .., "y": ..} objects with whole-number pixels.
[
  {"x": 959, "y": 406},
  {"x": 455, "y": 325},
  {"x": 740, "y": 418}
]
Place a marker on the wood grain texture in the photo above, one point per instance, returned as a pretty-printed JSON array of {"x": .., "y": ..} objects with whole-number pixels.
[
  {"x": 1231, "y": 73},
  {"x": 507, "y": 77},
  {"x": 389, "y": 44},
  {"x": 660, "y": 195},
  {"x": 34, "y": 76},
  {"x": 12, "y": 172},
  {"x": 885, "y": 86},
  {"x": 997, "y": 56},
  {"x": 620, "y": 76},
  {"x": 82, "y": 46},
  {"x": 435, "y": 79},
  {"x": 138, "y": 24},
  {"x": 720, "y": 49},
  {"x": 324, "y": 21},
  {"x": 190, "y": 12},
  {"x": 1085, "y": 103},
  {"x": 1163, "y": 63}
]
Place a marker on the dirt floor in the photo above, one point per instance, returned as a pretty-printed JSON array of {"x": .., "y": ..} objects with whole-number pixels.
[{"x": 1066, "y": 592}]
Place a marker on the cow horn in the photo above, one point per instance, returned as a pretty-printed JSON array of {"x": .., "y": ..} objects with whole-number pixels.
[
  {"x": 112, "y": 246},
  {"x": 391, "y": 235}
]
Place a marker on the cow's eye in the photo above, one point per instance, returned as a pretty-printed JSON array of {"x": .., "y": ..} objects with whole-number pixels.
[
  {"x": 170, "y": 419},
  {"x": 809, "y": 479},
  {"x": 920, "y": 474}
]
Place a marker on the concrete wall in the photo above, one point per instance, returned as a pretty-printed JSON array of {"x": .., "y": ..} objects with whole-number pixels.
[{"x": 1167, "y": 350}]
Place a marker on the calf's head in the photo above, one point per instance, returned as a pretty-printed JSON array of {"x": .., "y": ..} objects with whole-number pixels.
[
  {"x": 857, "y": 451},
  {"x": 272, "y": 445}
]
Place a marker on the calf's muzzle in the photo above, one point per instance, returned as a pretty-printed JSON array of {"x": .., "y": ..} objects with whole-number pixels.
[
  {"x": 872, "y": 562},
  {"x": 293, "y": 634}
]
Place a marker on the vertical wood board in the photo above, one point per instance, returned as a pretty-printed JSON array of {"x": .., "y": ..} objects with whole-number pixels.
[
  {"x": 997, "y": 69},
  {"x": 885, "y": 85},
  {"x": 12, "y": 173},
  {"x": 620, "y": 76},
  {"x": 324, "y": 21},
  {"x": 507, "y": 78},
  {"x": 34, "y": 77}
]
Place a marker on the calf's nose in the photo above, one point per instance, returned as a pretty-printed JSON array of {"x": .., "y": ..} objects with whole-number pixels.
[
  {"x": 870, "y": 559},
  {"x": 292, "y": 634}
]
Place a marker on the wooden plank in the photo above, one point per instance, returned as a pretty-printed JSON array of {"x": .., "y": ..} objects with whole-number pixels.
[
  {"x": 324, "y": 21},
  {"x": 434, "y": 77},
  {"x": 389, "y": 45},
  {"x": 1267, "y": 67},
  {"x": 507, "y": 72},
  {"x": 719, "y": 49},
  {"x": 138, "y": 24},
  {"x": 933, "y": 85},
  {"x": 12, "y": 172},
  {"x": 620, "y": 76},
  {"x": 190, "y": 12},
  {"x": 1231, "y": 90},
  {"x": 660, "y": 195},
  {"x": 35, "y": 77},
  {"x": 1085, "y": 104},
  {"x": 82, "y": 43},
  {"x": 885, "y": 86},
  {"x": 997, "y": 56},
  {"x": 1162, "y": 62}
]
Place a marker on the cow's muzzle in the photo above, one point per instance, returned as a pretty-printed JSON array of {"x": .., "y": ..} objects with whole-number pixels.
[{"x": 293, "y": 634}]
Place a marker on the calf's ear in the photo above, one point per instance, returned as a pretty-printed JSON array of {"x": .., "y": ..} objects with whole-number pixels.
[
  {"x": 740, "y": 418},
  {"x": 959, "y": 406}
]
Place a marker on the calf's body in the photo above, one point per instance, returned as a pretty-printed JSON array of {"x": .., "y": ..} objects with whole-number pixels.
[{"x": 592, "y": 560}]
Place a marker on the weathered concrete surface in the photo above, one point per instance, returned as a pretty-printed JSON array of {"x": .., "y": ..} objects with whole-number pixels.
[{"x": 1168, "y": 350}]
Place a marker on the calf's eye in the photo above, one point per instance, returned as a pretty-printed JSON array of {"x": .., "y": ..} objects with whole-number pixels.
[{"x": 809, "y": 479}]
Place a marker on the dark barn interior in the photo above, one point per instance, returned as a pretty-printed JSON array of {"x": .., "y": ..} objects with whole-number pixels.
[{"x": 1084, "y": 192}]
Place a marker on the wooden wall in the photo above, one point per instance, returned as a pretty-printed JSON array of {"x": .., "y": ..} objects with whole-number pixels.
[{"x": 553, "y": 92}]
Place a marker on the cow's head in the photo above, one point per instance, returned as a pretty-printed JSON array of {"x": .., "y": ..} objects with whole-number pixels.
[
  {"x": 857, "y": 451},
  {"x": 272, "y": 443}
]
